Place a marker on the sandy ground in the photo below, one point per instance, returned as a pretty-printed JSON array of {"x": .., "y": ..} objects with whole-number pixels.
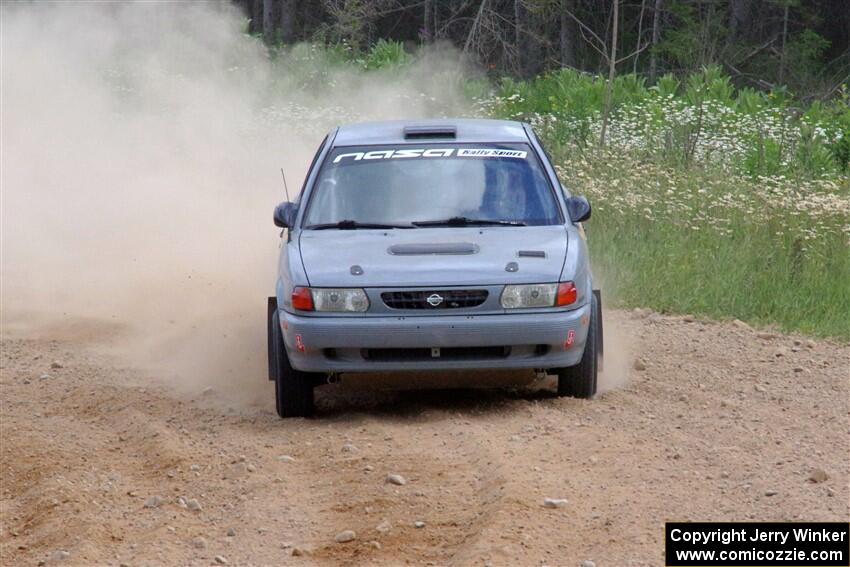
[{"x": 103, "y": 464}]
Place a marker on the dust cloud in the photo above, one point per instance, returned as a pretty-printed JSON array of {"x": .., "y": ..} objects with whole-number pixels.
[
  {"x": 141, "y": 147},
  {"x": 614, "y": 370}
]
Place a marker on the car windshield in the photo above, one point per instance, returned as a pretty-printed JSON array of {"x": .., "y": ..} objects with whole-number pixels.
[{"x": 405, "y": 186}]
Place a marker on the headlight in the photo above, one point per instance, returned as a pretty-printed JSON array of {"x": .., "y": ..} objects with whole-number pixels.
[
  {"x": 340, "y": 299},
  {"x": 538, "y": 295}
]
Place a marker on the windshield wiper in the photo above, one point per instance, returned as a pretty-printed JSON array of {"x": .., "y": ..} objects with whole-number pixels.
[
  {"x": 348, "y": 224},
  {"x": 466, "y": 221}
]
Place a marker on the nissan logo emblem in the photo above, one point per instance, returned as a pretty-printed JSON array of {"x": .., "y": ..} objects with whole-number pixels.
[{"x": 434, "y": 299}]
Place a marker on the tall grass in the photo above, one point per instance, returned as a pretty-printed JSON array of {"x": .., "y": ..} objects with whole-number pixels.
[{"x": 763, "y": 251}]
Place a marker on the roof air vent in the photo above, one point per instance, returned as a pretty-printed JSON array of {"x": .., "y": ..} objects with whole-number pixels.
[{"x": 430, "y": 132}]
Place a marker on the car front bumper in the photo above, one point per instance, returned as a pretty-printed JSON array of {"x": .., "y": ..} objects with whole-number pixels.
[{"x": 435, "y": 342}]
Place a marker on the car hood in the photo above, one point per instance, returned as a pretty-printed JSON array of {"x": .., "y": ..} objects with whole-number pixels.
[{"x": 449, "y": 256}]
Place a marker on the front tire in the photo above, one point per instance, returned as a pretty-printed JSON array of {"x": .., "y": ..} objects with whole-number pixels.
[
  {"x": 293, "y": 388},
  {"x": 579, "y": 381}
]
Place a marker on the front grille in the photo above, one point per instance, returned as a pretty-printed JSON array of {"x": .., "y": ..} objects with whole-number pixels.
[
  {"x": 450, "y": 353},
  {"x": 445, "y": 299}
]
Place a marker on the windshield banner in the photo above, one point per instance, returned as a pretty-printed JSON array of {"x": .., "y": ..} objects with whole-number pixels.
[{"x": 432, "y": 153}]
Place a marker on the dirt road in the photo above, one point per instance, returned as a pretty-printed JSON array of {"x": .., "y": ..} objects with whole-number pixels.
[{"x": 106, "y": 465}]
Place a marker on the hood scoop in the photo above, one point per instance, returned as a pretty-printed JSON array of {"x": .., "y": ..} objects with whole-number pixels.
[{"x": 424, "y": 249}]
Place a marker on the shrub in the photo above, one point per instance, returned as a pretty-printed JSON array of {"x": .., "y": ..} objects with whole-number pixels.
[{"x": 386, "y": 54}]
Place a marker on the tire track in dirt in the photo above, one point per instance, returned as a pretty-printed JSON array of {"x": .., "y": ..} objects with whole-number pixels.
[{"x": 454, "y": 484}]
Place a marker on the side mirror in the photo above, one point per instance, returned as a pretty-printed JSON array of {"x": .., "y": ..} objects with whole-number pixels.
[
  {"x": 284, "y": 214},
  {"x": 578, "y": 209}
]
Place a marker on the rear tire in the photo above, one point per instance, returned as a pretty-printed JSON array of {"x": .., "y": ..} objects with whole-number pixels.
[
  {"x": 579, "y": 381},
  {"x": 293, "y": 388}
]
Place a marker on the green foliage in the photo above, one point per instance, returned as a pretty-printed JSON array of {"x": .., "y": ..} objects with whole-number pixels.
[
  {"x": 309, "y": 66},
  {"x": 764, "y": 157},
  {"x": 718, "y": 86},
  {"x": 838, "y": 112},
  {"x": 338, "y": 54},
  {"x": 702, "y": 120},
  {"x": 807, "y": 48},
  {"x": 750, "y": 101},
  {"x": 386, "y": 54},
  {"x": 477, "y": 89},
  {"x": 668, "y": 85},
  {"x": 840, "y": 150},
  {"x": 813, "y": 157},
  {"x": 694, "y": 37}
]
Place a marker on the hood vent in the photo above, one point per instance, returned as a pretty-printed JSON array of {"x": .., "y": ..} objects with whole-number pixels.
[
  {"x": 423, "y": 249},
  {"x": 531, "y": 254}
]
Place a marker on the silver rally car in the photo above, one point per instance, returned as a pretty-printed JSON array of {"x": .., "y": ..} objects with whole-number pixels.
[{"x": 432, "y": 245}]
